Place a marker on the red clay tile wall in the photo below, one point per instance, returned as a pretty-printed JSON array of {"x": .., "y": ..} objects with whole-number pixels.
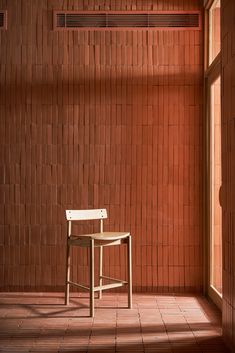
[
  {"x": 228, "y": 167},
  {"x": 95, "y": 119}
]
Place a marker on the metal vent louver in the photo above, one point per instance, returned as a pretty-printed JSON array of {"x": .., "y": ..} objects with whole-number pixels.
[
  {"x": 127, "y": 20},
  {"x": 3, "y": 19}
]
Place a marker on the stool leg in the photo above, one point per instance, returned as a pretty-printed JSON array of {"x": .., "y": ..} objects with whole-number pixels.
[
  {"x": 92, "y": 277},
  {"x": 129, "y": 255},
  {"x": 100, "y": 270},
  {"x": 67, "y": 275}
]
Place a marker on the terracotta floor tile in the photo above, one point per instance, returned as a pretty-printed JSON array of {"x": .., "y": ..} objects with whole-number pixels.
[{"x": 39, "y": 322}]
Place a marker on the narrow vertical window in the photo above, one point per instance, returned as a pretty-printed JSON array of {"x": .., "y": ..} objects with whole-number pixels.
[
  {"x": 214, "y": 30},
  {"x": 216, "y": 180},
  {"x": 214, "y": 177}
]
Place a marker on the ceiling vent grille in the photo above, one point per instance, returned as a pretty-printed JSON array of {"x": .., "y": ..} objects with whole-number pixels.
[
  {"x": 126, "y": 20},
  {"x": 3, "y": 19}
]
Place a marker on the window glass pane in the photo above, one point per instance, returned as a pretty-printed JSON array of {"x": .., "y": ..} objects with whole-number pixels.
[
  {"x": 216, "y": 211},
  {"x": 214, "y": 35}
]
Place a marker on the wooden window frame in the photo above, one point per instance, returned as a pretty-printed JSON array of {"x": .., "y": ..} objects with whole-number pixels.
[{"x": 212, "y": 72}]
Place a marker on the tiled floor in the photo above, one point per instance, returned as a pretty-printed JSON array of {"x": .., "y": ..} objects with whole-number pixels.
[{"x": 157, "y": 323}]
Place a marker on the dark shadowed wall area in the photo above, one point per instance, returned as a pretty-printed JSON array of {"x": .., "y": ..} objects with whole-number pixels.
[
  {"x": 93, "y": 119},
  {"x": 228, "y": 167}
]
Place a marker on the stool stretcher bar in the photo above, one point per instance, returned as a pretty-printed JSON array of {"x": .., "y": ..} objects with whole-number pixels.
[
  {"x": 119, "y": 283},
  {"x": 78, "y": 285},
  {"x": 114, "y": 279}
]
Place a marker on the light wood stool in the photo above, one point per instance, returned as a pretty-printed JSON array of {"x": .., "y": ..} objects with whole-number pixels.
[{"x": 91, "y": 241}]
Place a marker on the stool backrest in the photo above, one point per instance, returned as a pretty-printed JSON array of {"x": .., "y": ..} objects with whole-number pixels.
[{"x": 80, "y": 215}]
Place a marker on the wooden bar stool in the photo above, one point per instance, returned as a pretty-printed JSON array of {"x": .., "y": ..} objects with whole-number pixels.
[{"x": 92, "y": 241}]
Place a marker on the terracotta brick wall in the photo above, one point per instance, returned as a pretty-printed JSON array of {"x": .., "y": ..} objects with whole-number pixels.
[
  {"x": 100, "y": 119},
  {"x": 228, "y": 166}
]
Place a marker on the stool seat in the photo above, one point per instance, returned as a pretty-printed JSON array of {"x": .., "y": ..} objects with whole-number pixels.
[
  {"x": 109, "y": 235},
  {"x": 100, "y": 239}
]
